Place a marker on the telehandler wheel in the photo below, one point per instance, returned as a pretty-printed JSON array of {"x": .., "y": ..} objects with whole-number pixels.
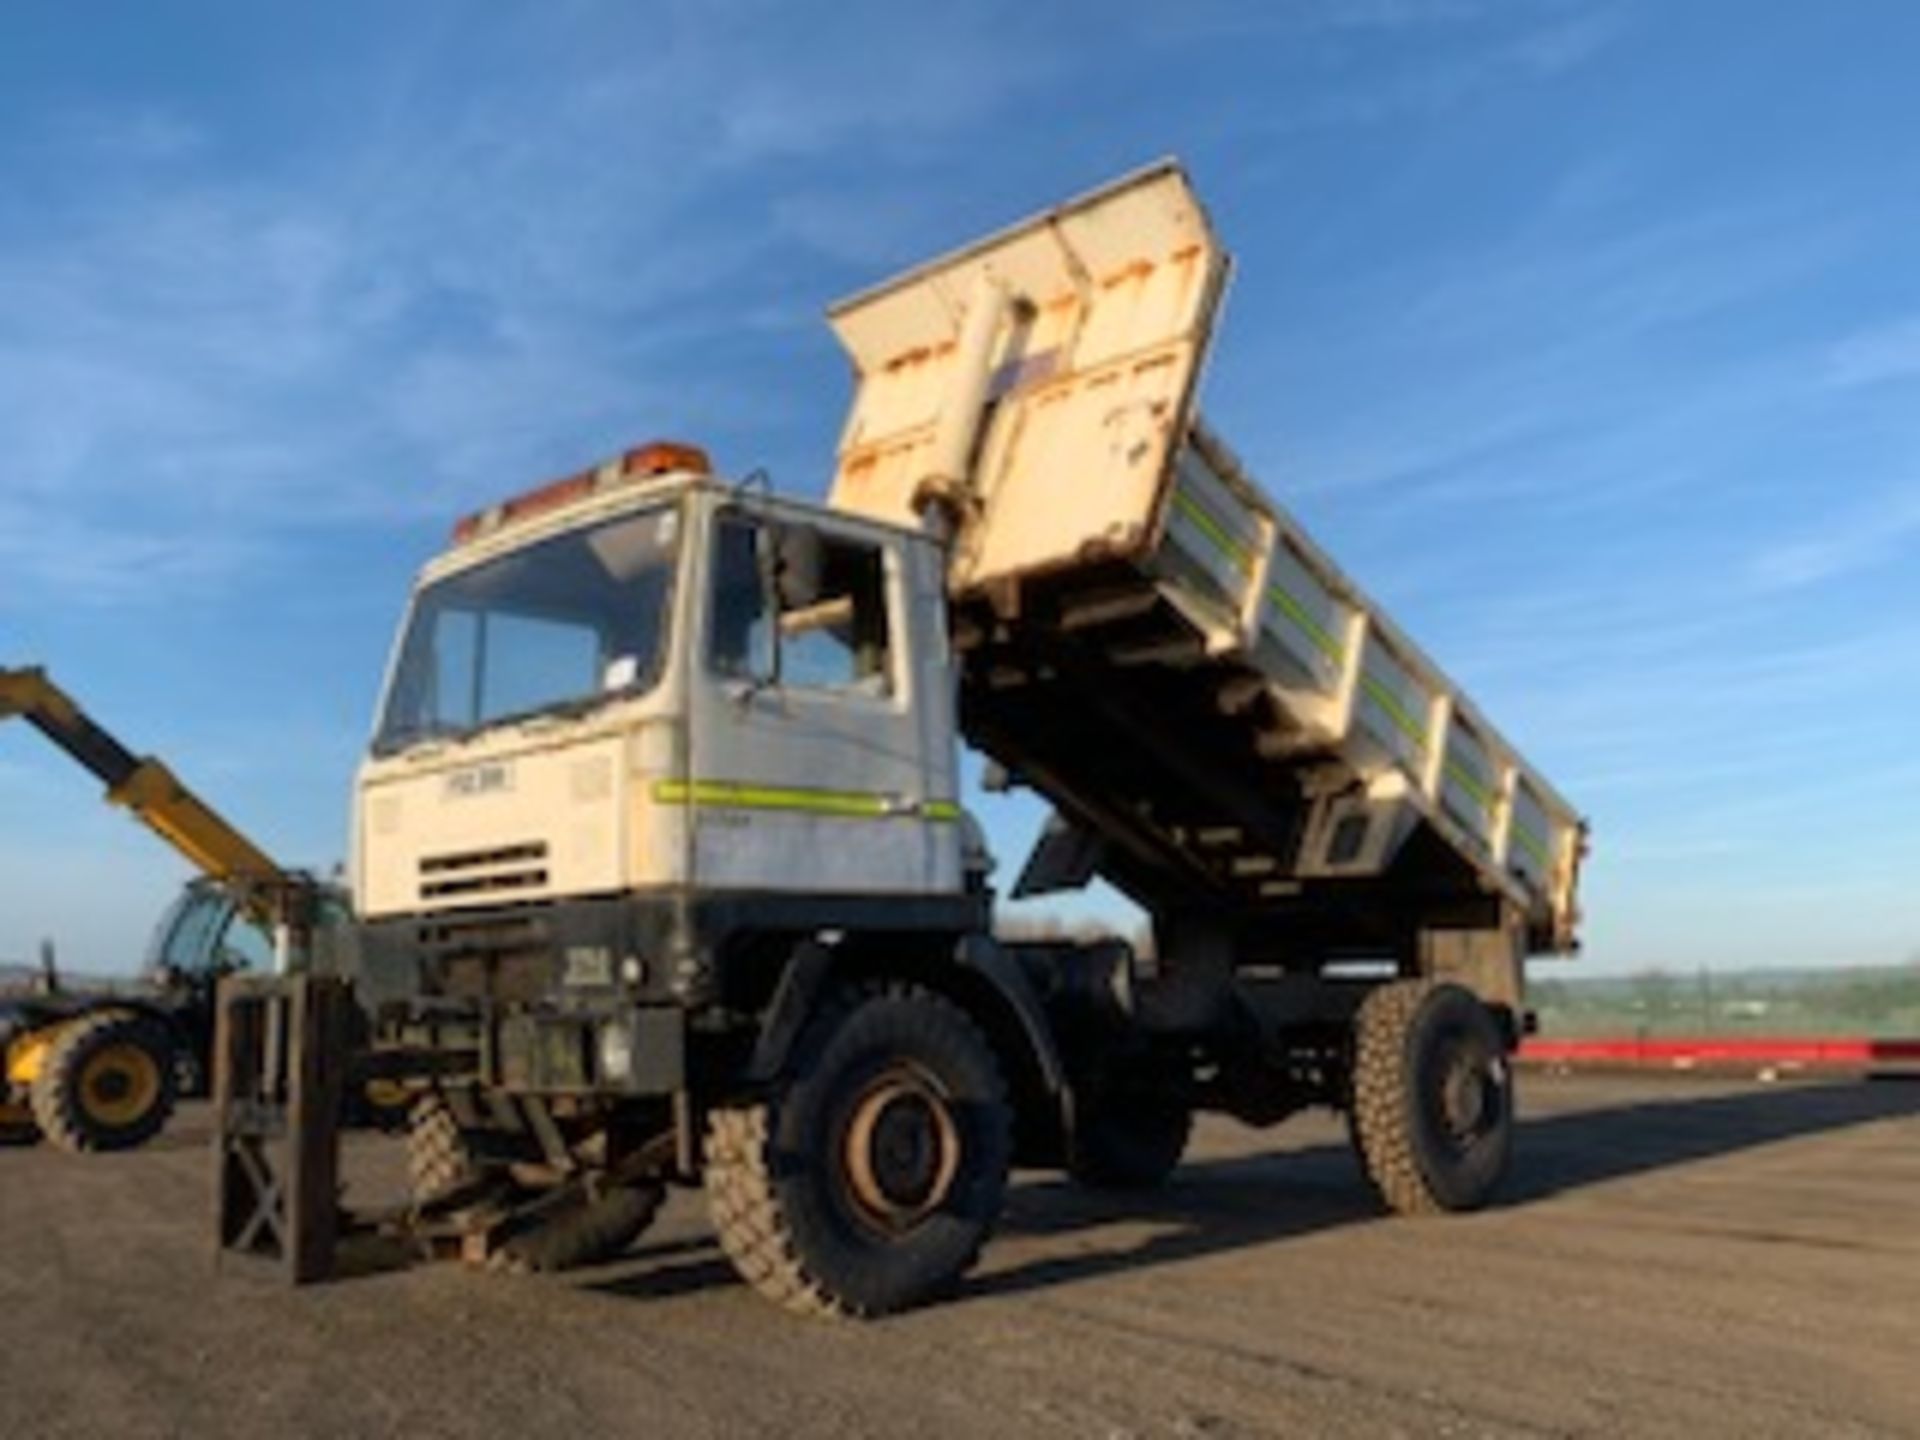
[
  {"x": 1129, "y": 1137},
  {"x": 1432, "y": 1097},
  {"x": 108, "y": 1083},
  {"x": 868, "y": 1182}
]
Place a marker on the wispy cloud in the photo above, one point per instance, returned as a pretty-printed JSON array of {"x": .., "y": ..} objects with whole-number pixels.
[
  {"x": 473, "y": 282},
  {"x": 1889, "y": 351},
  {"x": 1534, "y": 51},
  {"x": 1551, "y": 361},
  {"x": 1870, "y": 535}
]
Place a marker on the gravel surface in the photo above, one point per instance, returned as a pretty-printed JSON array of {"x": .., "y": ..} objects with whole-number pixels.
[{"x": 1674, "y": 1256}]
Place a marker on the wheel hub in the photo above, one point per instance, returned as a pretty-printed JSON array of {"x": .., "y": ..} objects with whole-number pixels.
[
  {"x": 1466, "y": 1099},
  {"x": 902, "y": 1149},
  {"x": 119, "y": 1085},
  {"x": 1470, "y": 1089}
]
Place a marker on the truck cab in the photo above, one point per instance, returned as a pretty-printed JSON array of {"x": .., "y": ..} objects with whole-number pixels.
[{"x": 642, "y": 727}]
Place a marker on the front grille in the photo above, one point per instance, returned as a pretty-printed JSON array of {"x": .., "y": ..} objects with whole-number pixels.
[
  {"x": 502, "y": 872},
  {"x": 508, "y": 957}
]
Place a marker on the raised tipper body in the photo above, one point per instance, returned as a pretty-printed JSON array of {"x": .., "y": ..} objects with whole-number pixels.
[{"x": 1097, "y": 519}]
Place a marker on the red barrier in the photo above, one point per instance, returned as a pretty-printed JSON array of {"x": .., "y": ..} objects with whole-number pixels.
[{"x": 1841, "y": 1052}]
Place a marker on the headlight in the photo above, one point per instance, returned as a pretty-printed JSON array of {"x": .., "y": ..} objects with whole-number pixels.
[{"x": 616, "y": 1052}]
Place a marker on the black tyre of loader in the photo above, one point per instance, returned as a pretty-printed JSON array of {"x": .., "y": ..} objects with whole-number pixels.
[
  {"x": 108, "y": 1083},
  {"x": 1432, "y": 1097},
  {"x": 868, "y": 1183},
  {"x": 1129, "y": 1136}
]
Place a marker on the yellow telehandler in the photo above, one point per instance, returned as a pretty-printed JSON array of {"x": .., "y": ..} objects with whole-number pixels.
[{"x": 99, "y": 1069}]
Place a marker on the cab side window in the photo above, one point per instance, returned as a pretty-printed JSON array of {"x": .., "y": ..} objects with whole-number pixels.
[
  {"x": 210, "y": 935},
  {"x": 828, "y": 598},
  {"x": 244, "y": 946},
  {"x": 739, "y": 639}
]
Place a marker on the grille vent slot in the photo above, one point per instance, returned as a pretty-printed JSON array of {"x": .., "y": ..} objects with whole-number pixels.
[{"x": 503, "y": 872}]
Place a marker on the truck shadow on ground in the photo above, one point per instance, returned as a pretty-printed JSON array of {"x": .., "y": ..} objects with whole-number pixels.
[
  {"x": 1224, "y": 1204},
  {"x": 1221, "y": 1205}
]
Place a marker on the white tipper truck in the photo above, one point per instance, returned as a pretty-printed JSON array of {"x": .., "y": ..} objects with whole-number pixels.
[{"x": 661, "y": 864}]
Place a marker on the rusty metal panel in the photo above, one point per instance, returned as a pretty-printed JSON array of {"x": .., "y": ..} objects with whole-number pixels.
[{"x": 1105, "y": 307}]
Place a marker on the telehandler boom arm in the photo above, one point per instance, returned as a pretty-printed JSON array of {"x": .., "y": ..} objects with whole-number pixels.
[{"x": 152, "y": 792}]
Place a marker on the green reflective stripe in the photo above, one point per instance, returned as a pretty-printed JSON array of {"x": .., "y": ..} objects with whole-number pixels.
[
  {"x": 1310, "y": 627},
  {"x": 1471, "y": 783},
  {"x": 1395, "y": 711},
  {"x": 1204, "y": 520},
  {"x": 1533, "y": 845},
  {"x": 1241, "y": 558},
  {"x": 840, "y": 804}
]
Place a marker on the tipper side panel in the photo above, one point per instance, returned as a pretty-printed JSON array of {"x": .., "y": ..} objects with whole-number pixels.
[
  {"x": 1146, "y": 637},
  {"x": 1349, "y": 683}
]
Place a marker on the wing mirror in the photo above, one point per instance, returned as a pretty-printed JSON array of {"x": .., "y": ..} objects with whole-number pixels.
[
  {"x": 792, "y": 564},
  {"x": 794, "y": 558}
]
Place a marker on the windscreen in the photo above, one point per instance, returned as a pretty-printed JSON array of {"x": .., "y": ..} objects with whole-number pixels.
[{"x": 564, "y": 624}]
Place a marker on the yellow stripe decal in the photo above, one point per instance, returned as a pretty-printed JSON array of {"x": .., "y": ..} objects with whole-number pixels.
[
  {"x": 1395, "y": 711},
  {"x": 1310, "y": 627},
  {"x": 838, "y": 804},
  {"x": 1472, "y": 784},
  {"x": 1209, "y": 525},
  {"x": 1533, "y": 845},
  {"x": 1241, "y": 558}
]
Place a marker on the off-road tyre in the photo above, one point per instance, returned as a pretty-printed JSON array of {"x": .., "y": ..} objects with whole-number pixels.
[
  {"x": 1129, "y": 1137},
  {"x": 1424, "y": 1154},
  {"x": 587, "y": 1231},
  {"x": 889, "y": 1080},
  {"x": 439, "y": 1161},
  {"x": 108, "y": 1083}
]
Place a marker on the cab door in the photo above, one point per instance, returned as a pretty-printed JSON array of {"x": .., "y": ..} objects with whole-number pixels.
[{"x": 813, "y": 765}]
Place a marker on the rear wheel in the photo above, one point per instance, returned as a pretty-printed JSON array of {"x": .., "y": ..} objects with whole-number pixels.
[
  {"x": 108, "y": 1083},
  {"x": 1432, "y": 1103},
  {"x": 869, "y": 1182}
]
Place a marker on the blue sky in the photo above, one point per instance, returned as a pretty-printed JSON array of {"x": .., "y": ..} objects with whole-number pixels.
[{"x": 1586, "y": 335}]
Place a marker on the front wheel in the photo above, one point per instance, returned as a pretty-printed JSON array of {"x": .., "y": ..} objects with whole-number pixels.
[
  {"x": 1432, "y": 1098},
  {"x": 869, "y": 1180}
]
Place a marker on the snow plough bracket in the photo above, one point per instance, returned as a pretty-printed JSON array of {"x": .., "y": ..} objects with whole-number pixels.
[{"x": 279, "y": 1090}]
